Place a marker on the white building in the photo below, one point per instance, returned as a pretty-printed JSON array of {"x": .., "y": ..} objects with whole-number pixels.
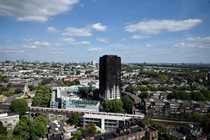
[{"x": 9, "y": 121}]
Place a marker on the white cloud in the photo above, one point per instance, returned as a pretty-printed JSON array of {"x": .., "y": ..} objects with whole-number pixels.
[
  {"x": 37, "y": 44},
  {"x": 74, "y": 42},
  {"x": 95, "y": 49},
  {"x": 35, "y": 10},
  {"x": 139, "y": 36},
  {"x": 86, "y": 31},
  {"x": 206, "y": 39},
  {"x": 11, "y": 50},
  {"x": 27, "y": 39},
  {"x": 104, "y": 40},
  {"x": 199, "y": 39},
  {"x": 32, "y": 19},
  {"x": 77, "y": 32},
  {"x": 150, "y": 27},
  {"x": 44, "y": 43},
  {"x": 99, "y": 27},
  {"x": 51, "y": 29},
  {"x": 194, "y": 42}
]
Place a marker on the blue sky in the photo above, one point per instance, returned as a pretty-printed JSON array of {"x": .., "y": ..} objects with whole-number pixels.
[{"x": 152, "y": 31}]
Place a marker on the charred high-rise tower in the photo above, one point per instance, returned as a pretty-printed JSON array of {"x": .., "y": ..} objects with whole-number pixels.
[{"x": 109, "y": 77}]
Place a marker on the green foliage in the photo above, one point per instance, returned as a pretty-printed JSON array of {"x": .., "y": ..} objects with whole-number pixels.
[
  {"x": 42, "y": 97},
  {"x": 74, "y": 118},
  {"x": 114, "y": 105},
  {"x": 3, "y": 137},
  {"x": 18, "y": 90},
  {"x": 144, "y": 95},
  {"x": 127, "y": 103},
  {"x": 31, "y": 87},
  {"x": 41, "y": 118},
  {"x": 19, "y": 106},
  {"x": 22, "y": 130},
  {"x": 4, "y": 79},
  {"x": 189, "y": 137},
  {"x": 197, "y": 116},
  {"x": 144, "y": 138},
  {"x": 46, "y": 81},
  {"x": 206, "y": 94},
  {"x": 206, "y": 127},
  {"x": 38, "y": 129},
  {"x": 28, "y": 129},
  {"x": 71, "y": 83},
  {"x": 130, "y": 89},
  {"x": 162, "y": 131},
  {"x": 3, "y": 130},
  {"x": 78, "y": 134},
  {"x": 90, "y": 128},
  {"x": 78, "y": 72},
  {"x": 8, "y": 94}
]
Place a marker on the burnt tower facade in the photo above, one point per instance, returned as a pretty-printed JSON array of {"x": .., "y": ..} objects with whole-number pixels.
[{"x": 109, "y": 77}]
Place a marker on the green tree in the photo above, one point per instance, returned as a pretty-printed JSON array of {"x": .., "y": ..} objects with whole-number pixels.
[
  {"x": 78, "y": 72},
  {"x": 30, "y": 129},
  {"x": 42, "y": 97},
  {"x": 127, "y": 103},
  {"x": 91, "y": 128},
  {"x": 130, "y": 89},
  {"x": 206, "y": 127},
  {"x": 74, "y": 118},
  {"x": 41, "y": 118},
  {"x": 4, "y": 79},
  {"x": 46, "y": 81},
  {"x": 9, "y": 93},
  {"x": 144, "y": 138},
  {"x": 38, "y": 129},
  {"x": 19, "y": 106},
  {"x": 3, "y": 137},
  {"x": 22, "y": 131},
  {"x": 18, "y": 90},
  {"x": 144, "y": 95},
  {"x": 26, "y": 119},
  {"x": 78, "y": 134},
  {"x": 114, "y": 105},
  {"x": 189, "y": 137},
  {"x": 3, "y": 130},
  {"x": 31, "y": 87},
  {"x": 197, "y": 116}
]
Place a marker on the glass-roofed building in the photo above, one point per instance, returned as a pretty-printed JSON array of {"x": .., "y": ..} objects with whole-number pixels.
[{"x": 65, "y": 97}]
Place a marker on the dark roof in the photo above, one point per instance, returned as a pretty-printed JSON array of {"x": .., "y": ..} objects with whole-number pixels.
[
  {"x": 54, "y": 136},
  {"x": 9, "y": 99},
  {"x": 59, "y": 126}
]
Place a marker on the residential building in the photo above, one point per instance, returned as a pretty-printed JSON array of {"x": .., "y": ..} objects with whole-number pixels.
[
  {"x": 173, "y": 107},
  {"x": 108, "y": 121},
  {"x": 9, "y": 121},
  {"x": 132, "y": 129},
  {"x": 2, "y": 98},
  {"x": 109, "y": 77}
]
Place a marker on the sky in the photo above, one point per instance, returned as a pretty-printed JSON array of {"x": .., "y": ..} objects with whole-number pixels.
[{"x": 152, "y": 31}]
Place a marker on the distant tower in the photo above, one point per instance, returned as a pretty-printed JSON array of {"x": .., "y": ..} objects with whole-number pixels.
[{"x": 109, "y": 77}]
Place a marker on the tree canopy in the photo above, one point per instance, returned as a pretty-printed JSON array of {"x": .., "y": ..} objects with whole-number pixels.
[
  {"x": 28, "y": 129},
  {"x": 90, "y": 128},
  {"x": 19, "y": 106},
  {"x": 42, "y": 97},
  {"x": 74, "y": 118},
  {"x": 114, "y": 105},
  {"x": 127, "y": 103},
  {"x": 3, "y": 130}
]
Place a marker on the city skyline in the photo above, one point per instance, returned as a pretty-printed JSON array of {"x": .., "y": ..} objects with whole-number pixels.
[{"x": 81, "y": 31}]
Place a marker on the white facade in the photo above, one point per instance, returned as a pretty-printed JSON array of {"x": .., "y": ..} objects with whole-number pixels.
[{"x": 9, "y": 121}]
